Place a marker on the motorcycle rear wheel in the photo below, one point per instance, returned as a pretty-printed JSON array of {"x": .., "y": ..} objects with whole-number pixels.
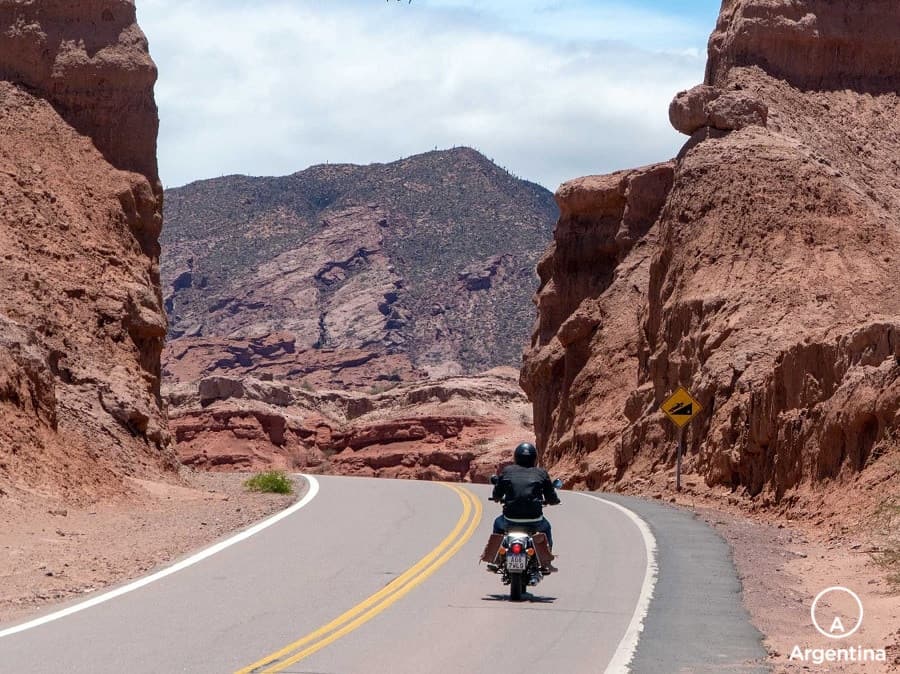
[{"x": 516, "y": 586}]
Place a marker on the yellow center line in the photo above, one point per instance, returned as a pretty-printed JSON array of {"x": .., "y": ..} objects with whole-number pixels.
[{"x": 381, "y": 600}]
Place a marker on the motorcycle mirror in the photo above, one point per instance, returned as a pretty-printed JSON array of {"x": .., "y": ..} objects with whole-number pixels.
[
  {"x": 494, "y": 480},
  {"x": 557, "y": 483}
]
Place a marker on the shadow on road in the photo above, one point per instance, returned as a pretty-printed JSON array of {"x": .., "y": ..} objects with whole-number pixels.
[{"x": 526, "y": 598}]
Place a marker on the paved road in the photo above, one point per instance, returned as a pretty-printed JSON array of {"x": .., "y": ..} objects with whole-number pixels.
[{"x": 395, "y": 563}]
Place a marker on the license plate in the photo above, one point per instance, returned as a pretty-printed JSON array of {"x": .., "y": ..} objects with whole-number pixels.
[{"x": 516, "y": 562}]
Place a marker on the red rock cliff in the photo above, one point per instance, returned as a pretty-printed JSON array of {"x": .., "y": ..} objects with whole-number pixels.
[
  {"x": 763, "y": 275},
  {"x": 812, "y": 44},
  {"x": 81, "y": 320},
  {"x": 90, "y": 60}
]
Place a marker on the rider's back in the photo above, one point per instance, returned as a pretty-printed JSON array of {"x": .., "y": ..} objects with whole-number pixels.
[{"x": 523, "y": 491}]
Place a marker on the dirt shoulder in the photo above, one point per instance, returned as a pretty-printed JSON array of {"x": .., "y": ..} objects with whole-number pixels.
[
  {"x": 783, "y": 566},
  {"x": 52, "y": 551}
]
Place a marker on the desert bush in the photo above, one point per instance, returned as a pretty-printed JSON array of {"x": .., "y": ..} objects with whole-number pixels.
[{"x": 273, "y": 482}]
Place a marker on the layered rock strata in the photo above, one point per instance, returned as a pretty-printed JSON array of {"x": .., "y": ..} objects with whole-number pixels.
[
  {"x": 278, "y": 356},
  {"x": 448, "y": 429}
]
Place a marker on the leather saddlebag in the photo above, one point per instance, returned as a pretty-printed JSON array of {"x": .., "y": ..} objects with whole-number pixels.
[
  {"x": 490, "y": 550},
  {"x": 542, "y": 549}
]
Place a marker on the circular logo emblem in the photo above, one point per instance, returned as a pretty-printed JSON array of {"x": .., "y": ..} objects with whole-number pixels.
[{"x": 832, "y": 625}]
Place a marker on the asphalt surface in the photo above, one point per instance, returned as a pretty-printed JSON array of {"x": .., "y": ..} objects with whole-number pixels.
[
  {"x": 696, "y": 623},
  {"x": 434, "y": 609}
]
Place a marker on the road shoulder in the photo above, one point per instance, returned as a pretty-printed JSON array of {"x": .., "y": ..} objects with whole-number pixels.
[
  {"x": 57, "y": 551},
  {"x": 697, "y": 621}
]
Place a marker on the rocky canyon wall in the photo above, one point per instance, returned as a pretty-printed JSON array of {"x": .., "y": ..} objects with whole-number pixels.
[
  {"x": 812, "y": 44},
  {"x": 90, "y": 60},
  {"x": 81, "y": 319},
  {"x": 762, "y": 274}
]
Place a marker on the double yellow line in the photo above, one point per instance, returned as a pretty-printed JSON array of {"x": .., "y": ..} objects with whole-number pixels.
[{"x": 378, "y": 602}]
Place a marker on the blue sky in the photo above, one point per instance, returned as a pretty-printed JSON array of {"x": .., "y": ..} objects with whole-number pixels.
[
  {"x": 652, "y": 24},
  {"x": 550, "y": 89}
]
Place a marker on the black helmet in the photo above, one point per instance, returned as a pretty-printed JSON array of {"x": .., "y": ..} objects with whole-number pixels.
[{"x": 525, "y": 455}]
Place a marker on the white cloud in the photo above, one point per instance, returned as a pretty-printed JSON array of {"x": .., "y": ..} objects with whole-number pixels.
[{"x": 271, "y": 87}]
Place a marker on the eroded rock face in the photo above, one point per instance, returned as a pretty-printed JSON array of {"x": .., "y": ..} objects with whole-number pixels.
[
  {"x": 812, "y": 44},
  {"x": 456, "y": 428},
  {"x": 705, "y": 106},
  {"x": 765, "y": 282},
  {"x": 90, "y": 60},
  {"x": 591, "y": 281},
  {"x": 80, "y": 309},
  {"x": 748, "y": 331},
  {"x": 601, "y": 217}
]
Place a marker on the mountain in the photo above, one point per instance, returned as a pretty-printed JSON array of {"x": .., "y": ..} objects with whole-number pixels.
[
  {"x": 427, "y": 262},
  {"x": 758, "y": 269}
]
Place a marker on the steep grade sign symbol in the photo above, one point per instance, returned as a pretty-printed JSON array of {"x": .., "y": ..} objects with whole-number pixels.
[{"x": 681, "y": 407}]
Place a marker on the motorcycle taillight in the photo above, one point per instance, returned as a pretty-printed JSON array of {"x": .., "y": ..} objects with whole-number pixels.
[{"x": 516, "y": 548}]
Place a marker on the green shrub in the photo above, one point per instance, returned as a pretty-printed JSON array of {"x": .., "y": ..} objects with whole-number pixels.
[{"x": 273, "y": 482}]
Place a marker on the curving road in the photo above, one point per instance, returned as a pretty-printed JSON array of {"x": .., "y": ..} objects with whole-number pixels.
[{"x": 375, "y": 576}]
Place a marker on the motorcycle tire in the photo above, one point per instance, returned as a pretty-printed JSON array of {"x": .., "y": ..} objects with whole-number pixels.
[{"x": 516, "y": 586}]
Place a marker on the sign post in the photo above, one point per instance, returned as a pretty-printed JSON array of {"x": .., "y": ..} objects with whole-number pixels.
[{"x": 681, "y": 408}]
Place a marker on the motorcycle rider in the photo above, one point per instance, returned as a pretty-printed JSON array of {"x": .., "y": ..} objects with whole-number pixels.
[{"x": 522, "y": 488}]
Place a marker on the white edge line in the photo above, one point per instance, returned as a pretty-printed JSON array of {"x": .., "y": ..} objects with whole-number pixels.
[
  {"x": 621, "y": 660},
  {"x": 175, "y": 568}
]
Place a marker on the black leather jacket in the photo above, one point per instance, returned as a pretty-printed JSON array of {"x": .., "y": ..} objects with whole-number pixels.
[{"x": 522, "y": 491}]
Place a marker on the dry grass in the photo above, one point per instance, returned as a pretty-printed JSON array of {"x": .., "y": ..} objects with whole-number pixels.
[{"x": 887, "y": 523}]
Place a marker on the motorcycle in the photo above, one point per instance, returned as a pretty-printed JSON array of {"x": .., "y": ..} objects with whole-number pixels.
[{"x": 519, "y": 555}]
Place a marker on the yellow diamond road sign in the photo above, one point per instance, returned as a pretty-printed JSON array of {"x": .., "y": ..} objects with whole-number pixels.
[{"x": 681, "y": 407}]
